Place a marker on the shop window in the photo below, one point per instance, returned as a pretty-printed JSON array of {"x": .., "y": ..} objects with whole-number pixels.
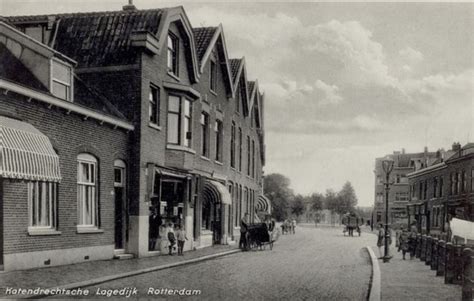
[
  {"x": 42, "y": 204},
  {"x": 206, "y": 215},
  {"x": 154, "y": 106},
  {"x": 87, "y": 198},
  {"x": 61, "y": 80},
  {"x": 173, "y": 51},
  {"x": 172, "y": 201}
]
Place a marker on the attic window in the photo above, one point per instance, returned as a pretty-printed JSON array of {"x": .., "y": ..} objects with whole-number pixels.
[
  {"x": 173, "y": 54},
  {"x": 213, "y": 76},
  {"x": 61, "y": 80}
]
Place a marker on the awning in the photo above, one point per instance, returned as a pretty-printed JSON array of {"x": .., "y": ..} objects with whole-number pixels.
[
  {"x": 216, "y": 192},
  {"x": 25, "y": 153},
  {"x": 264, "y": 204}
]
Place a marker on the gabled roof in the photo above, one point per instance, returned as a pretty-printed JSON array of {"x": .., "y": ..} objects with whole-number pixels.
[
  {"x": 234, "y": 67},
  {"x": 107, "y": 38},
  {"x": 203, "y": 37},
  {"x": 255, "y": 100},
  {"x": 208, "y": 38},
  {"x": 239, "y": 75}
]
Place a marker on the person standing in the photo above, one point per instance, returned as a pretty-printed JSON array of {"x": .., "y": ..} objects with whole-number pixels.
[
  {"x": 403, "y": 242},
  {"x": 293, "y": 226},
  {"x": 380, "y": 238},
  {"x": 154, "y": 222},
  {"x": 171, "y": 238},
  {"x": 181, "y": 237},
  {"x": 243, "y": 232}
]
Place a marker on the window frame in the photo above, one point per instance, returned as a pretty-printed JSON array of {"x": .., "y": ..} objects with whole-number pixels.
[
  {"x": 69, "y": 86},
  {"x": 154, "y": 105},
  {"x": 213, "y": 76},
  {"x": 92, "y": 165},
  {"x": 218, "y": 131},
  {"x": 52, "y": 196},
  {"x": 204, "y": 122},
  {"x": 240, "y": 148},
  {"x": 184, "y": 124},
  {"x": 172, "y": 63},
  {"x": 232, "y": 145}
]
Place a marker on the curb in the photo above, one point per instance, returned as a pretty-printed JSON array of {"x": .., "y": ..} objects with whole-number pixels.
[
  {"x": 374, "y": 286},
  {"x": 128, "y": 274}
]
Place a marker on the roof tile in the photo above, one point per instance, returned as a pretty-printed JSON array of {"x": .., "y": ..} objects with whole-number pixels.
[{"x": 202, "y": 38}]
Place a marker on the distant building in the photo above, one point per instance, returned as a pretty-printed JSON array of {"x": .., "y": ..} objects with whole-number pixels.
[
  {"x": 398, "y": 198},
  {"x": 441, "y": 189}
]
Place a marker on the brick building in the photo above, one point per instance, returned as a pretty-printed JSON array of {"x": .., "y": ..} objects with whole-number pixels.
[
  {"x": 197, "y": 148},
  {"x": 63, "y": 151},
  {"x": 444, "y": 188},
  {"x": 404, "y": 163}
]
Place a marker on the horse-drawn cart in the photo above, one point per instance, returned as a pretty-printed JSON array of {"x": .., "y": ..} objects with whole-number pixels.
[{"x": 258, "y": 236}]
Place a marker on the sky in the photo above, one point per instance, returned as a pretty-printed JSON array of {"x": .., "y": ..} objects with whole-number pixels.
[{"x": 344, "y": 83}]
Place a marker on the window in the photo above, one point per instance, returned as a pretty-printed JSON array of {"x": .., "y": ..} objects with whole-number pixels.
[
  {"x": 61, "y": 80},
  {"x": 232, "y": 145},
  {"x": 252, "y": 118},
  {"x": 420, "y": 194},
  {"x": 440, "y": 186},
  {"x": 435, "y": 187},
  {"x": 464, "y": 181},
  {"x": 154, "y": 106},
  {"x": 42, "y": 204},
  {"x": 179, "y": 117},
  {"x": 253, "y": 159},
  {"x": 204, "y": 134},
  {"x": 87, "y": 191},
  {"x": 398, "y": 179},
  {"x": 472, "y": 180},
  {"x": 173, "y": 43},
  {"x": 249, "y": 166},
  {"x": 459, "y": 182},
  {"x": 425, "y": 190},
  {"x": 213, "y": 76},
  {"x": 239, "y": 100},
  {"x": 218, "y": 132},
  {"x": 240, "y": 149}
]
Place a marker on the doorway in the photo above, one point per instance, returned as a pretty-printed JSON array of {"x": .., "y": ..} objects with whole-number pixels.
[{"x": 120, "y": 208}]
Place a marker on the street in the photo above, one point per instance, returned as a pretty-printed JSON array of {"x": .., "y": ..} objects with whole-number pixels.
[{"x": 314, "y": 263}]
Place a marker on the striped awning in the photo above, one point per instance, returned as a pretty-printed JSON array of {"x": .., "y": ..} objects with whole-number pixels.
[
  {"x": 25, "y": 153},
  {"x": 216, "y": 192},
  {"x": 264, "y": 204}
]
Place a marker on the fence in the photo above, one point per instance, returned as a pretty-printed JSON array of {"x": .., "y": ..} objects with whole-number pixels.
[{"x": 451, "y": 261}]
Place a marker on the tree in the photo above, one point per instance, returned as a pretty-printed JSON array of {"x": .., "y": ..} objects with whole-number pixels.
[
  {"x": 277, "y": 189},
  {"x": 317, "y": 201},
  {"x": 347, "y": 198},
  {"x": 297, "y": 206}
]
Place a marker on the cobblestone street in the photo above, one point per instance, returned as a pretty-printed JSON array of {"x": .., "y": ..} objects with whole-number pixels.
[{"x": 314, "y": 263}]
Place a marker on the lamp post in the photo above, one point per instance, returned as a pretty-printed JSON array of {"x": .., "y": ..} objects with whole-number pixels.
[{"x": 387, "y": 166}]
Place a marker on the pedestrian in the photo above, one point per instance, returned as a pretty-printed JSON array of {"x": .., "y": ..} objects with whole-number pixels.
[
  {"x": 293, "y": 226},
  {"x": 181, "y": 237},
  {"x": 154, "y": 223},
  {"x": 171, "y": 238},
  {"x": 380, "y": 238},
  {"x": 243, "y": 232},
  {"x": 403, "y": 241},
  {"x": 398, "y": 232},
  {"x": 412, "y": 241}
]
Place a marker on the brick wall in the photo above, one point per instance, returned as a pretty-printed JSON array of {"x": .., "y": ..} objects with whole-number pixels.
[{"x": 70, "y": 135}]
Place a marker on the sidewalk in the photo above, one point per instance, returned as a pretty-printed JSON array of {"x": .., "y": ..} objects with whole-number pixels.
[
  {"x": 63, "y": 275},
  {"x": 412, "y": 280}
]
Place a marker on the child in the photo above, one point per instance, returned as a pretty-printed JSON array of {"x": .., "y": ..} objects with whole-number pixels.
[
  {"x": 171, "y": 238},
  {"x": 181, "y": 236}
]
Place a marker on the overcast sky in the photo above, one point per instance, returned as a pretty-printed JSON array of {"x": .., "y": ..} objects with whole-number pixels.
[{"x": 344, "y": 83}]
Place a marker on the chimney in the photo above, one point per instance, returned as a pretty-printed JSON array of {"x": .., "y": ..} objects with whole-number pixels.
[
  {"x": 129, "y": 6},
  {"x": 456, "y": 146},
  {"x": 426, "y": 149},
  {"x": 403, "y": 151}
]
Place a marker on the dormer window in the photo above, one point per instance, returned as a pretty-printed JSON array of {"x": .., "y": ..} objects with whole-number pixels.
[
  {"x": 173, "y": 54},
  {"x": 61, "y": 80}
]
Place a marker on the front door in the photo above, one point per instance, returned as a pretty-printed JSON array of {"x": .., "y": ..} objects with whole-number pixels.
[
  {"x": 217, "y": 229},
  {"x": 119, "y": 192}
]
